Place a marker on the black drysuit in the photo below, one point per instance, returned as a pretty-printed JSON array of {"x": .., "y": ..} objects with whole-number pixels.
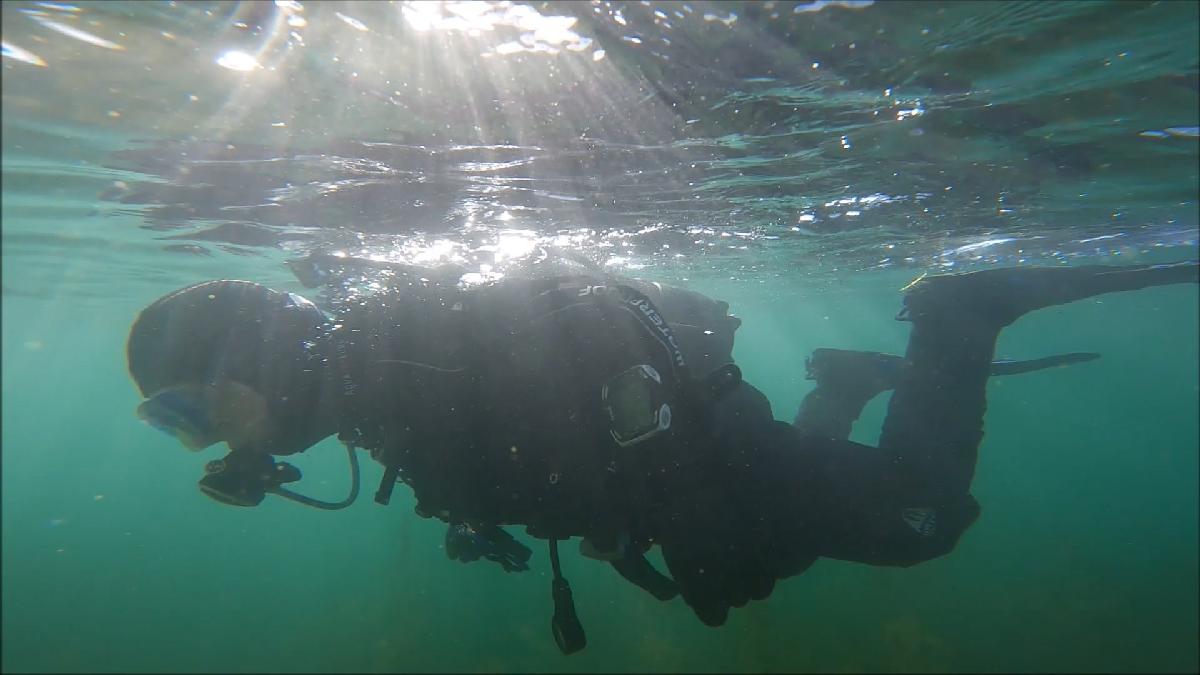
[{"x": 488, "y": 402}]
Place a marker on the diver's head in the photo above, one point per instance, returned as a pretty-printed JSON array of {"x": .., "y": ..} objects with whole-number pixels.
[
  {"x": 232, "y": 361},
  {"x": 200, "y": 414}
]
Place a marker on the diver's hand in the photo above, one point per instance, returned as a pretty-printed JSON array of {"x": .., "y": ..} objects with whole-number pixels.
[
  {"x": 717, "y": 555},
  {"x": 243, "y": 478},
  {"x": 467, "y": 544},
  {"x": 713, "y": 576}
]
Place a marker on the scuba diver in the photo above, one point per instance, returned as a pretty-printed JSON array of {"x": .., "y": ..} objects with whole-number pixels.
[{"x": 577, "y": 403}]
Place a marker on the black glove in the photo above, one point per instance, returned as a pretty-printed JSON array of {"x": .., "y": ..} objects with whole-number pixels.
[
  {"x": 467, "y": 544},
  {"x": 243, "y": 478},
  {"x": 717, "y": 568},
  {"x": 717, "y": 545}
]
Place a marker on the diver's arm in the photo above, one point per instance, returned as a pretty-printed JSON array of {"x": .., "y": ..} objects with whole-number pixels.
[{"x": 717, "y": 529}]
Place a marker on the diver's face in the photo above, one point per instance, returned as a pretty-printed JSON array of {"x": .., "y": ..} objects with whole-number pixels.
[{"x": 199, "y": 415}]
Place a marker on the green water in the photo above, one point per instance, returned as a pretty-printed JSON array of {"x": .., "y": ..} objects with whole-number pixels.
[
  {"x": 801, "y": 163},
  {"x": 1085, "y": 557}
]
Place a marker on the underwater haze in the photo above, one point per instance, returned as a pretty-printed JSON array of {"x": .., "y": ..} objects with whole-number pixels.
[{"x": 802, "y": 161}]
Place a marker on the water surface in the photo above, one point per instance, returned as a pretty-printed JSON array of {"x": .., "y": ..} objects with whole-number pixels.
[{"x": 801, "y": 160}]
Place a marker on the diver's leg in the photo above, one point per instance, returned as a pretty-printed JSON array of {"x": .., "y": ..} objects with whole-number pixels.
[
  {"x": 934, "y": 422},
  {"x": 908, "y": 500},
  {"x": 1004, "y": 295},
  {"x": 778, "y": 498},
  {"x": 847, "y": 380}
]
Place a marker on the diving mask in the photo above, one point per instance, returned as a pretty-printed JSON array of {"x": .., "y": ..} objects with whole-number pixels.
[
  {"x": 181, "y": 413},
  {"x": 636, "y": 402}
]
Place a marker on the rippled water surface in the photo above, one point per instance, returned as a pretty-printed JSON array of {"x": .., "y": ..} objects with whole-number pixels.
[
  {"x": 773, "y": 139},
  {"x": 760, "y": 151}
]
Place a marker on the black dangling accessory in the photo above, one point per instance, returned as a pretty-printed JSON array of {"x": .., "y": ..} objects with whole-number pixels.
[
  {"x": 384, "y": 494},
  {"x": 568, "y": 632}
]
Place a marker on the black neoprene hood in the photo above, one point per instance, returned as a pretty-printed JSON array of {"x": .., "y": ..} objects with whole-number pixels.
[{"x": 264, "y": 339}]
